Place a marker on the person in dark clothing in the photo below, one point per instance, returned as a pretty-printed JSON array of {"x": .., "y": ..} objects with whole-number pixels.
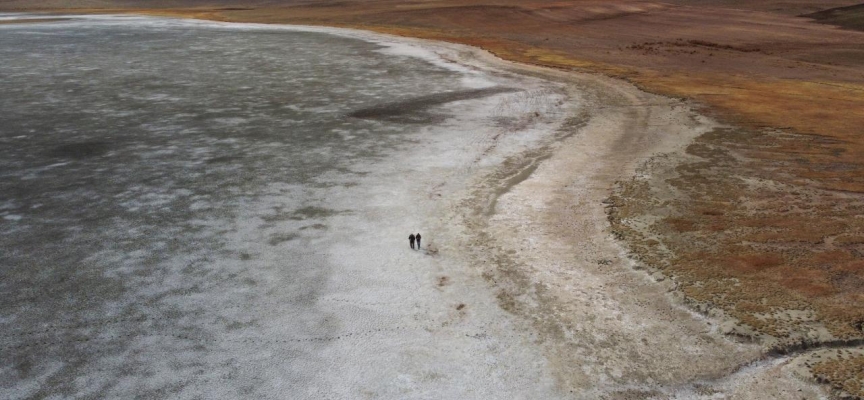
[
  {"x": 411, "y": 240},
  {"x": 418, "y": 239}
]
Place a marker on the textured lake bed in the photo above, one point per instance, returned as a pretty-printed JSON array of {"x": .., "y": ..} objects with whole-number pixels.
[{"x": 200, "y": 209}]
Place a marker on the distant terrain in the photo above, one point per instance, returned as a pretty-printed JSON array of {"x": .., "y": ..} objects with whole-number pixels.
[
  {"x": 760, "y": 222},
  {"x": 851, "y": 17}
]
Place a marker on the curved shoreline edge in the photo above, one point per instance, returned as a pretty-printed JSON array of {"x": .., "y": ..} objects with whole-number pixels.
[{"x": 619, "y": 160}]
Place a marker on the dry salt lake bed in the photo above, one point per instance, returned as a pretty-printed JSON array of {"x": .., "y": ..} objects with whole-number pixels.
[{"x": 194, "y": 209}]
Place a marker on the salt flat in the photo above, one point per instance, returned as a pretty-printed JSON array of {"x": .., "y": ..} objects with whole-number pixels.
[{"x": 190, "y": 209}]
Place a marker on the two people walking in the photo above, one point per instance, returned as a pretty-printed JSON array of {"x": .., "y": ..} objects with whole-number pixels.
[{"x": 412, "y": 238}]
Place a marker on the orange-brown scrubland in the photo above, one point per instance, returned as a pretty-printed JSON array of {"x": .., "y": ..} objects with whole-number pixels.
[{"x": 760, "y": 222}]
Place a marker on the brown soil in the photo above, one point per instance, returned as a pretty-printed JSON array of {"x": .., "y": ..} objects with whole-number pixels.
[{"x": 760, "y": 223}]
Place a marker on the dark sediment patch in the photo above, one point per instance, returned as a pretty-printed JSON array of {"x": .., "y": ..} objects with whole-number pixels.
[
  {"x": 279, "y": 238},
  {"x": 313, "y": 212},
  {"x": 314, "y": 226},
  {"x": 224, "y": 160},
  {"x": 80, "y": 150},
  {"x": 415, "y": 110}
]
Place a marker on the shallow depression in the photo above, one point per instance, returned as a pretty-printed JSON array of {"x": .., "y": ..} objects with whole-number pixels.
[{"x": 195, "y": 209}]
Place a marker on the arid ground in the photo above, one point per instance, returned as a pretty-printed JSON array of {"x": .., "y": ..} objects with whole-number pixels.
[{"x": 759, "y": 223}]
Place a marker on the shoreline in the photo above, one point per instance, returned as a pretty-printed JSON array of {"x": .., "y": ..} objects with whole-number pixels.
[
  {"x": 739, "y": 376},
  {"x": 533, "y": 178},
  {"x": 791, "y": 382},
  {"x": 544, "y": 210}
]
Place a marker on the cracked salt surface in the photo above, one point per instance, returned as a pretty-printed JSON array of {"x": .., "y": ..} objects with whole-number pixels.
[{"x": 215, "y": 225}]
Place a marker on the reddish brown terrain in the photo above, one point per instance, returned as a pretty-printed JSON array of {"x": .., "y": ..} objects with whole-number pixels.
[{"x": 760, "y": 222}]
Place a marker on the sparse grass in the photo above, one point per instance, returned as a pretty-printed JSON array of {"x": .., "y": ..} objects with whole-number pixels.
[
  {"x": 749, "y": 232},
  {"x": 843, "y": 374}
]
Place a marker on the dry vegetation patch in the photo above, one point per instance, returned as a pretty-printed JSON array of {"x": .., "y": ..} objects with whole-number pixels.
[
  {"x": 844, "y": 374},
  {"x": 763, "y": 227}
]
